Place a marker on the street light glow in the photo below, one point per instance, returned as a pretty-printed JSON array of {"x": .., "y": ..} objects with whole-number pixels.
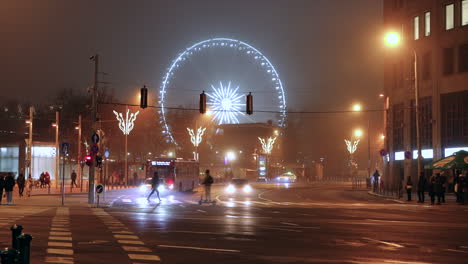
[
  {"x": 392, "y": 39},
  {"x": 358, "y": 133},
  {"x": 231, "y": 155},
  {"x": 357, "y": 107}
]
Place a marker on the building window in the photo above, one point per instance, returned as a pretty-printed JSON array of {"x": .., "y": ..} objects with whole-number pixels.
[
  {"x": 416, "y": 27},
  {"x": 464, "y": 13},
  {"x": 449, "y": 16},
  {"x": 463, "y": 58},
  {"x": 398, "y": 131},
  {"x": 454, "y": 114},
  {"x": 425, "y": 122},
  {"x": 427, "y": 24},
  {"x": 448, "y": 60},
  {"x": 426, "y": 66}
]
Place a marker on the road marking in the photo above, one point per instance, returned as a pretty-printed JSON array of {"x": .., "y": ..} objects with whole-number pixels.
[
  {"x": 144, "y": 257},
  {"x": 61, "y": 260},
  {"x": 130, "y": 242},
  {"x": 126, "y": 237},
  {"x": 60, "y": 251},
  {"x": 136, "y": 249},
  {"x": 385, "y": 243},
  {"x": 287, "y": 223},
  {"x": 199, "y": 248},
  {"x": 458, "y": 251},
  {"x": 201, "y": 211},
  {"x": 59, "y": 244},
  {"x": 282, "y": 229},
  {"x": 58, "y": 233}
]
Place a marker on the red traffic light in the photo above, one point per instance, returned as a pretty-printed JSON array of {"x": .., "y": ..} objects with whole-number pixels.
[
  {"x": 89, "y": 160},
  {"x": 88, "y": 157}
]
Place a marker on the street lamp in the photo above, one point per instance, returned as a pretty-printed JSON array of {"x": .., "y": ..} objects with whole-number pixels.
[
  {"x": 392, "y": 39},
  {"x": 358, "y": 108},
  {"x": 126, "y": 125}
]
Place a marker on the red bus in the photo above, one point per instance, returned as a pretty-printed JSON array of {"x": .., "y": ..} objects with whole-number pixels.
[{"x": 177, "y": 174}]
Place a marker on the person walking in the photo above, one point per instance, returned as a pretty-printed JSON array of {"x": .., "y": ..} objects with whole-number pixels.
[
  {"x": 29, "y": 187},
  {"x": 154, "y": 186},
  {"x": 73, "y": 179},
  {"x": 9, "y": 184},
  {"x": 409, "y": 188},
  {"x": 422, "y": 182},
  {"x": 41, "y": 180},
  {"x": 2, "y": 186},
  {"x": 47, "y": 179},
  {"x": 431, "y": 189},
  {"x": 376, "y": 177},
  {"x": 438, "y": 187},
  {"x": 21, "y": 182},
  {"x": 207, "y": 183}
]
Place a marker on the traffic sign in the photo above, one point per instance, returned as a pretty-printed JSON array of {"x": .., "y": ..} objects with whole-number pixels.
[
  {"x": 95, "y": 138},
  {"x": 106, "y": 153},
  {"x": 94, "y": 149},
  {"x": 99, "y": 189},
  {"x": 65, "y": 148}
]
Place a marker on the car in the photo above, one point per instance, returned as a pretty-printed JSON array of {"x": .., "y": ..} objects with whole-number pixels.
[
  {"x": 286, "y": 178},
  {"x": 238, "y": 186}
]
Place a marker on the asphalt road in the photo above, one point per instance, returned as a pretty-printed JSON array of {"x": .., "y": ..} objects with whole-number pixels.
[{"x": 319, "y": 223}]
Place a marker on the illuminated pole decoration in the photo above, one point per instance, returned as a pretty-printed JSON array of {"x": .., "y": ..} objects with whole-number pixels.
[
  {"x": 196, "y": 138},
  {"x": 267, "y": 144},
  {"x": 352, "y": 147},
  {"x": 226, "y": 104},
  {"x": 126, "y": 125}
]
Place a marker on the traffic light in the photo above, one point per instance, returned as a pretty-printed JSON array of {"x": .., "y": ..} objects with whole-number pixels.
[
  {"x": 144, "y": 97},
  {"x": 249, "y": 104},
  {"x": 89, "y": 160},
  {"x": 202, "y": 103},
  {"x": 98, "y": 161}
]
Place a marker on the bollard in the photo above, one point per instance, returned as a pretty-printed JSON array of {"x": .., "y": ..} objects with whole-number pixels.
[
  {"x": 16, "y": 230},
  {"x": 9, "y": 256},
  {"x": 24, "y": 244}
]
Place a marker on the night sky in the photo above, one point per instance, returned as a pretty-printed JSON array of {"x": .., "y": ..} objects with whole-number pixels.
[{"x": 328, "y": 53}]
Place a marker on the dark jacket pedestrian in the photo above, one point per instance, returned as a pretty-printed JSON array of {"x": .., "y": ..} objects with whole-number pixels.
[
  {"x": 443, "y": 180},
  {"x": 73, "y": 179},
  {"x": 9, "y": 184},
  {"x": 409, "y": 187},
  {"x": 154, "y": 186},
  {"x": 21, "y": 181},
  {"x": 422, "y": 184},
  {"x": 431, "y": 189},
  {"x": 2, "y": 187},
  {"x": 208, "y": 181},
  {"x": 438, "y": 185}
]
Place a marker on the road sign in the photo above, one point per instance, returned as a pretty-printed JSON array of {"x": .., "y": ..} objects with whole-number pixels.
[
  {"x": 65, "y": 148},
  {"x": 95, "y": 138},
  {"x": 99, "y": 189},
  {"x": 106, "y": 153},
  {"x": 94, "y": 149}
]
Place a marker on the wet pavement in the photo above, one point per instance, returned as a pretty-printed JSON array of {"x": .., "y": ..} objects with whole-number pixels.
[{"x": 319, "y": 223}]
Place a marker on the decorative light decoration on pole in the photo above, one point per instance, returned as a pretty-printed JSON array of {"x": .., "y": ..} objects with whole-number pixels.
[
  {"x": 351, "y": 145},
  {"x": 196, "y": 138},
  {"x": 126, "y": 125},
  {"x": 267, "y": 144}
]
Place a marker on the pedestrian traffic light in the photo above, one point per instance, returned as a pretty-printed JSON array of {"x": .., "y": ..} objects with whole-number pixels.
[
  {"x": 144, "y": 97},
  {"x": 98, "y": 161},
  {"x": 88, "y": 160},
  {"x": 202, "y": 103},
  {"x": 249, "y": 104}
]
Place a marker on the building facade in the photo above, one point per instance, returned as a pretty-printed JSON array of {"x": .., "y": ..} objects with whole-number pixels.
[{"x": 435, "y": 32}]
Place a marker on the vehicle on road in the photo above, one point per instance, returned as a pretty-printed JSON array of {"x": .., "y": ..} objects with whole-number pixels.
[
  {"x": 176, "y": 174},
  {"x": 286, "y": 178},
  {"x": 238, "y": 186}
]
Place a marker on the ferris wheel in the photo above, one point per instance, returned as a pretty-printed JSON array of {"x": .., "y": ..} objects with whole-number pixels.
[{"x": 239, "y": 68}]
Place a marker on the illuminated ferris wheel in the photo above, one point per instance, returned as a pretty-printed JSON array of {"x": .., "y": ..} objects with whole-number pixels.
[{"x": 226, "y": 69}]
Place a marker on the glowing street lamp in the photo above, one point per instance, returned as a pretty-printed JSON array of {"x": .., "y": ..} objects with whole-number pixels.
[
  {"x": 267, "y": 144},
  {"x": 126, "y": 125},
  {"x": 392, "y": 39},
  {"x": 358, "y": 133},
  {"x": 196, "y": 138},
  {"x": 357, "y": 108}
]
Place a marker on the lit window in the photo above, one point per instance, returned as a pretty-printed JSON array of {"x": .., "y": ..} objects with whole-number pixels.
[
  {"x": 416, "y": 27},
  {"x": 449, "y": 19},
  {"x": 464, "y": 11},
  {"x": 427, "y": 23}
]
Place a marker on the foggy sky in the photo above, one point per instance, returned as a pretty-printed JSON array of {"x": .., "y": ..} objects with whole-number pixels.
[{"x": 327, "y": 52}]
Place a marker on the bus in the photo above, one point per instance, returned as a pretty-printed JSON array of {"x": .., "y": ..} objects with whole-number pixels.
[{"x": 177, "y": 174}]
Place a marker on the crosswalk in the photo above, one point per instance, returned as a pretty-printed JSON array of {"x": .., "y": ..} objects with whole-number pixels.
[{"x": 60, "y": 244}]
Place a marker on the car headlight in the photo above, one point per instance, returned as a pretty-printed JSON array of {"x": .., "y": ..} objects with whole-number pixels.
[
  {"x": 230, "y": 189},
  {"x": 142, "y": 188},
  {"x": 171, "y": 186},
  {"x": 161, "y": 188},
  {"x": 247, "y": 189}
]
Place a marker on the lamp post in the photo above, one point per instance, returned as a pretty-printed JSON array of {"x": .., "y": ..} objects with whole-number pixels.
[
  {"x": 267, "y": 147},
  {"x": 358, "y": 108},
  {"x": 126, "y": 125},
  {"x": 78, "y": 156},
  {"x": 392, "y": 39}
]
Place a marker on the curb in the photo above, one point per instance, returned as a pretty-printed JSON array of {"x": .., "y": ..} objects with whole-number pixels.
[{"x": 385, "y": 197}]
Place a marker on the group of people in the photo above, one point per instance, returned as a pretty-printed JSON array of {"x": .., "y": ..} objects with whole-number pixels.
[
  {"x": 8, "y": 182},
  {"x": 436, "y": 187},
  {"x": 44, "y": 179}
]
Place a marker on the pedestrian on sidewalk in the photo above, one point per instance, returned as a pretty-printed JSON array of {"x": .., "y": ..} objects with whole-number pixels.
[
  {"x": 438, "y": 187},
  {"x": 21, "y": 182},
  {"x": 422, "y": 182},
  {"x": 409, "y": 188},
  {"x": 9, "y": 184},
  {"x": 73, "y": 179},
  {"x": 29, "y": 187},
  {"x": 431, "y": 189},
  {"x": 443, "y": 180},
  {"x": 47, "y": 179},
  {"x": 41, "y": 180},
  {"x": 2, "y": 186},
  {"x": 376, "y": 177}
]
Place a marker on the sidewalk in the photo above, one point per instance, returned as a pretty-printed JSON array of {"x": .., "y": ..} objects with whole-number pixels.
[{"x": 450, "y": 198}]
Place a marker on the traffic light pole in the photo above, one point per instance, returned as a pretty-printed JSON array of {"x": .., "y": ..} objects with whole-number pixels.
[{"x": 94, "y": 110}]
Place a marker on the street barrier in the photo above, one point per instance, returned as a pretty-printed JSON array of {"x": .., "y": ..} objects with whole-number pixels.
[{"x": 20, "y": 250}]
